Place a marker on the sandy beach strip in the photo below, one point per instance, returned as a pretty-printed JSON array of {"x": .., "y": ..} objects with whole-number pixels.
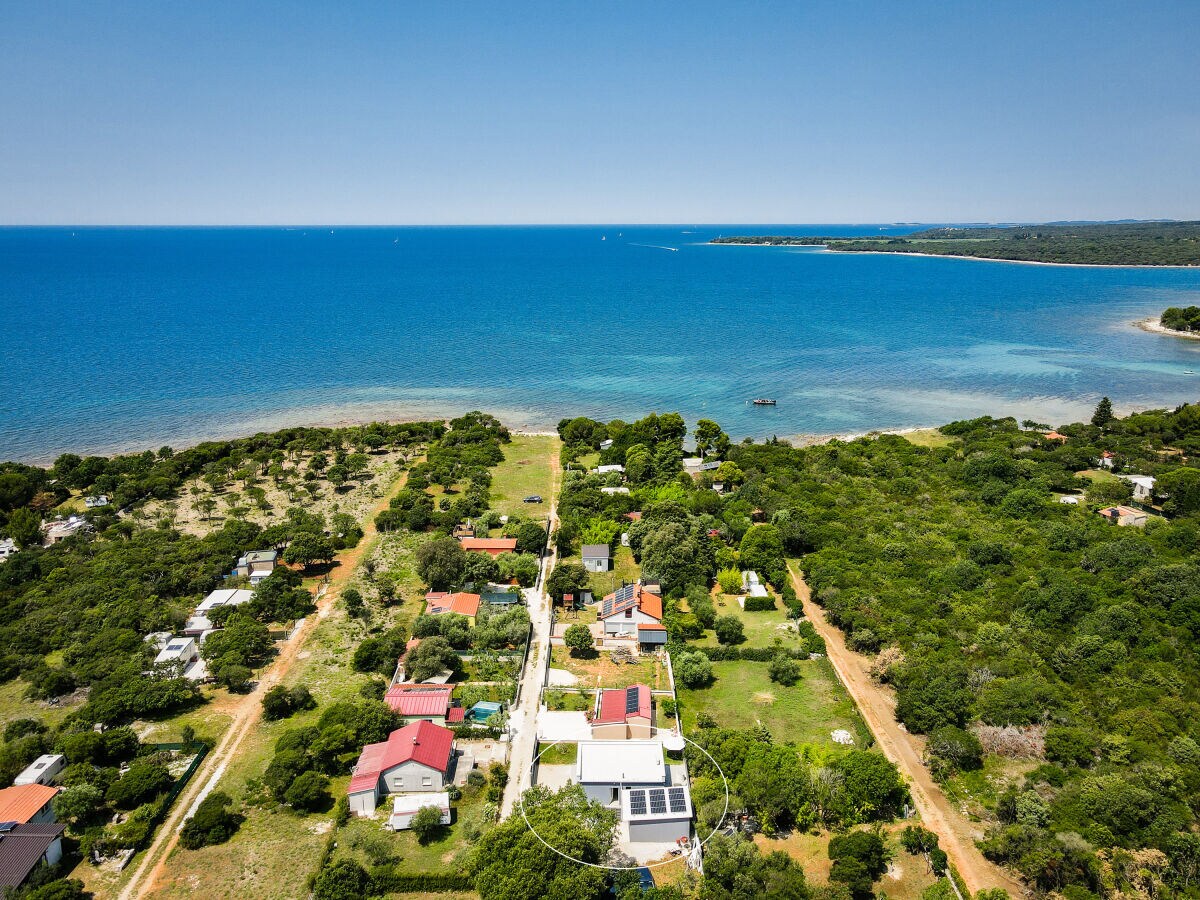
[
  {"x": 1155, "y": 326},
  {"x": 1021, "y": 262}
]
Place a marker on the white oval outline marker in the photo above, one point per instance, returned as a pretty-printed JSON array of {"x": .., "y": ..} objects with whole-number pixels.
[{"x": 663, "y": 862}]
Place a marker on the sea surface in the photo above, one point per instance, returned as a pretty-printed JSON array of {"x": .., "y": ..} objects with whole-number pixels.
[{"x": 118, "y": 338}]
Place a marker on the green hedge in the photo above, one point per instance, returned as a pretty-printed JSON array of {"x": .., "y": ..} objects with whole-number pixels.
[
  {"x": 388, "y": 881},
  {"x": 758, "y": 604}
]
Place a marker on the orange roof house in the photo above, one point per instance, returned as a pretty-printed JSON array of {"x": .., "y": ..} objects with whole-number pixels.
[
  {"x": 625, "y": 609},
  {"x": 27, "y": 803},
  {"x": 490, "y": 546},
  {"x": 1054, "y": 436},
  {"x": 462, "y": 603}
]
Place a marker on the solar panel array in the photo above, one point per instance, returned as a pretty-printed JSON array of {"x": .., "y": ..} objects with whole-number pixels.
[
  {"x": 637, "y": 803},
  {"x": 678, "y": 799},
  {"x": 658, "y": 801},
  {"x": 631, "y": 700},
  {"x": 619, "y": 600}
]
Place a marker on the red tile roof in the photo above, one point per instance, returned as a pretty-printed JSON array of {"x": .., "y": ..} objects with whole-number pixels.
[
  {"x": 456, "y": 714},
  {"x": 493, "y": 546},
  {"x": 422, "y": 742},
  {"x": 633, "y": 516},
  {"x": 651, "y": 626},
  {"x": 617, "y": 602},
  {"x": 21, "y": 803},
  {"x": 436, "y": 595},
  {"x": 615, "y": 704},
  {"x": 418, "y": 699},
  {"x": 1055, "y": 436},
  {"x": 462, "y": 603}
]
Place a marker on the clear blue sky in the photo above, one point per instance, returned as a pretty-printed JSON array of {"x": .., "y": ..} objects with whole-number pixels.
[{"x": 458, "y": 112}]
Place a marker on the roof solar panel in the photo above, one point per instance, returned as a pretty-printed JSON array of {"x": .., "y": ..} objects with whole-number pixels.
[
  {"x": 678, "y": 799},
  {"x": 637, "y": 803},
  {"x": 658, "y": 801},
  {"x": 625, "y": 593},
  {"x": 631, "y": 700}
]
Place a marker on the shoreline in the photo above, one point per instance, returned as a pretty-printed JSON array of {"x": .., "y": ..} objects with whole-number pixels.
[
  {"x": 1022, "y": 262},
  {"x": 1154, "y": 326}
]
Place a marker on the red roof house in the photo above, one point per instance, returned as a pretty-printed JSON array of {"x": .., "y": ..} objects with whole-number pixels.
[
  {"x": 624, "y": 714},
  {"x": 419, "y": 701},
  {"x": 414, "y": 759},
  {"x": 490, "y": 546}
]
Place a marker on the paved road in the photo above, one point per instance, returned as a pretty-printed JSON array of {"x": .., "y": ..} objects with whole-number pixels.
[
  {"x": 957, "y": 835},
  {"x": 246, "y": 715},
  {"x": 522, "y": 720}
]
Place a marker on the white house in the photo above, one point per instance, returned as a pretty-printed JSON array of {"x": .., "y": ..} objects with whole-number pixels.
[
  {"x": 185, "y": 653},
  {"x": 1143, "y": 485},
  {"x": 179, "y": 649},
  {"x": 95, "y": 502},
  {"x": 606, "y": 443},
  {"x": 596, "y": 557},
  {"x": 624, "y": 610},
  {"x": 7, "y": 548},
  {"x": 604, "y": 470},
  {"x": 752, "y": 586},
  {"x": 414, "y": 759},
  {"x": 42, "y": 770},
  {"x": 256, "y": 565},
  {"x": 62, "y": 529},
  {"x": 1069, "y": 499},
  {"x": 1106, "y": 460},
  {"x": 632, "y": 777},
  {"x": 405, "y": 808},
  {"x": 614, "y": 490},
  {"x": 199, "y": 623}
]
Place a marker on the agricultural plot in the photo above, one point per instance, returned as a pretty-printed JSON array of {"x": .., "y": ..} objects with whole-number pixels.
[{"x": 599, "y": 670}]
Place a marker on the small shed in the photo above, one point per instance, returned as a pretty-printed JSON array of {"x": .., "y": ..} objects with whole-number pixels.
[
  {"x": 406, "y": 806},
  {"x": 596, "y": 557}
]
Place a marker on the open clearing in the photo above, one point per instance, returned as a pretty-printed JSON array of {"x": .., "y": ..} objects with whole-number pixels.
[
  {"x": 906, "y": 878},
  {"x": 524, "y": 472},
  {"x": 600, "y": 671},
  {"x": 743, "y": 695}
]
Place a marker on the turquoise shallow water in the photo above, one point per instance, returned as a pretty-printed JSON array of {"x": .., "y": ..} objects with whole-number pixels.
[{"x": 130, "y": 338}]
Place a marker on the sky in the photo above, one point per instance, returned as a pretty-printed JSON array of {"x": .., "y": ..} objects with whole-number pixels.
[{"x": 497, "y": 113}]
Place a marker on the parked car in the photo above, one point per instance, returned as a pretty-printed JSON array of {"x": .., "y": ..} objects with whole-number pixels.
[{"x": 533, "y": 498}]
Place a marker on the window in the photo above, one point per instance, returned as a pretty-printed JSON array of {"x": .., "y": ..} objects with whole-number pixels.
[
  {"x": 629, "y": 613},
  {"x": 426, "y": 781},
  {"x": 616, "y": 794}
]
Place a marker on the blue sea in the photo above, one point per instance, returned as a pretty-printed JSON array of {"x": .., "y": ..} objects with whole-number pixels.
[{"x": 124, "y": 338}]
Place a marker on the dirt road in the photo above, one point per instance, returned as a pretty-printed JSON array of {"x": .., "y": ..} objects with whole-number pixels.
[
  {"x": 957, "y": 835},
  {"x": 247, "y": 713},
  {"x": 522, "y": 721}
]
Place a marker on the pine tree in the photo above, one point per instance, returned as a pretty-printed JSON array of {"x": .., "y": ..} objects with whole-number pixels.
[{"x": 1103, "y": 414}]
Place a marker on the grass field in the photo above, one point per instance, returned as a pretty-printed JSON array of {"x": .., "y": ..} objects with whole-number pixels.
[
  {"x": 906, "y": 878},
  {"x": 762, "y": 628},
  {"x": 557, "y": 754},
  {"x": 601, "y": 671},
  {"x": 742, "y": 694},
  {"x": 525, "y": 471},
  {"x": 929, "y": 437},
  {"x": 368, "y": 842}
]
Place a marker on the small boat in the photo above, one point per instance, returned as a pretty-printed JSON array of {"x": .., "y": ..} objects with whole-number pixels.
[{"x": 761, "y": 401}]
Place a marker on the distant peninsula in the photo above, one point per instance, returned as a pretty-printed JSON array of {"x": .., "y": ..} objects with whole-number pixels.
[
  {"x": 1175, "y": 321},
  {"x": 1106, "y": 244}
]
